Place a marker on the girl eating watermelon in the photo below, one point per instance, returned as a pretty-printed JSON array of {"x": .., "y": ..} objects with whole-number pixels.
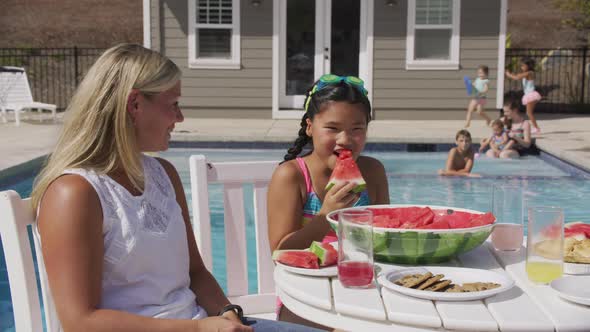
[{"x": 331, "y": 175}]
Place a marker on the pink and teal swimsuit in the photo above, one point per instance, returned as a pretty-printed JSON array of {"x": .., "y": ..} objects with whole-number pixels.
[{"x": 313, "y": 204}]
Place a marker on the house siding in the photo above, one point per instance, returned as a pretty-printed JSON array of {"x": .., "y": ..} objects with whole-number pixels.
[
  {"x": 245, "y": 92},
  {"x": 396, "y": 88}
]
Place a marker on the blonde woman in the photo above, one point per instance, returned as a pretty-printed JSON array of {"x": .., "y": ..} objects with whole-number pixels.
[{"x": 114, "y": 226}]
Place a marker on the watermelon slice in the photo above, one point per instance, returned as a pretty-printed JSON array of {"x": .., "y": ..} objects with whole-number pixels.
[
  {"x": 440, "y": 224},
  {"x": 482, "y": 219},
  {"x": 297, "y": 258},
  {"x": 346, "y": 170},
  {"x": 386, "y": 221},
  {"x": 325, "y": 252}
]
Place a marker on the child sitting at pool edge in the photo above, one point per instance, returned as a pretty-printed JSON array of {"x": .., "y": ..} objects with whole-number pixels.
[
  {"x": 498, "y": 142},
  {"x": 460, "y": 158}
]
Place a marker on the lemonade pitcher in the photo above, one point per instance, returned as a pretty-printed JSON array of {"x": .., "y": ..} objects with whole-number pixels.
[{"x": 544, "y": 259}]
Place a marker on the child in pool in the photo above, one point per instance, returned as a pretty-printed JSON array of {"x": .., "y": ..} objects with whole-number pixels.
[
  {"x": 531, "y": 96},
  {"x": 336, "y": 118},
  {"x": 481, "y": 86},
  {"x": 498, "y": 141},
  {"x": 460, "y": 158}
]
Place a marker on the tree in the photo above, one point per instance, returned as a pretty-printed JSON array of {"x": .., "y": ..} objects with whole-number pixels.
[{"x": 580, "y": 11}]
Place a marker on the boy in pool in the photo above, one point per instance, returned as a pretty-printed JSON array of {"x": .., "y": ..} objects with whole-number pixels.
[{"x": 460, "y": 159}]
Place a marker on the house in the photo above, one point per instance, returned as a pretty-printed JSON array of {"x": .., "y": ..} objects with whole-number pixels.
[{"x": 256, "y": 58}]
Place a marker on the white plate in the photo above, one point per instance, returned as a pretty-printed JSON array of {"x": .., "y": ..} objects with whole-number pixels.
[
  {"x": 576, "y": 268},
  {"x": 573, "y": 288},
  {"x": 458, "y": 275},
  {"x": 328, "y": 271}
]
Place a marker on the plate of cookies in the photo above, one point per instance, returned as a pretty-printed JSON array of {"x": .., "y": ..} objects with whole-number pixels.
[{"x": 442, "y": 283}]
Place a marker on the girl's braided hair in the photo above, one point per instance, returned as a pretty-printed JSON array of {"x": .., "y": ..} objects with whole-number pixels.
[{"x": 342, "y": 92}]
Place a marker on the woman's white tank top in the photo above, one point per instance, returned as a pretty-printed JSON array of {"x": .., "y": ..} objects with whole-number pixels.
[{"x": 146, "y": 258}]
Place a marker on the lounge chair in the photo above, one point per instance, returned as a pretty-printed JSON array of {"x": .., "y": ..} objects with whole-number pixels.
[{"x": 15, "y": 94}]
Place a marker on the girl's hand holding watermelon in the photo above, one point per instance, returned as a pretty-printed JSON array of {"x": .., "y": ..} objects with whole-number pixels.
[{"x": 339, "y": 196}]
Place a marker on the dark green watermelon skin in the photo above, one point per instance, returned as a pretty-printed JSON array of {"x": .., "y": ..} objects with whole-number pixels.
[
  {"x": 408, "y": 247},
  {"x": 401, "y": 246}
]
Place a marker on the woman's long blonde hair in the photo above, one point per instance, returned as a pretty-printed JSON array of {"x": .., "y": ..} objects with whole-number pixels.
[{"x": 98, "y": 133}]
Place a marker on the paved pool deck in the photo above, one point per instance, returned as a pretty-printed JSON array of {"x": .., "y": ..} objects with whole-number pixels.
[{"x": 566, "y": 136}]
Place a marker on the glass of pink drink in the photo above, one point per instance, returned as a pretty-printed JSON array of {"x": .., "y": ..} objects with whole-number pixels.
[
  {"x": 508, "y": 207},
  {"x": 355, "y": 248}
]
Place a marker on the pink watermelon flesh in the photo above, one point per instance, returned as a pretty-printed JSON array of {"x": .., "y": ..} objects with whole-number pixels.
[
  {"x": 325, "y": 252},
  {"x": 346, "y": 170},
  {"x": 297, "y": 258},
  {"x": 426, "y": 218},
  {"x": 386, "y": 221},
  {"x": 482, "y": 219},
  {"x": 440, "y": 224}
]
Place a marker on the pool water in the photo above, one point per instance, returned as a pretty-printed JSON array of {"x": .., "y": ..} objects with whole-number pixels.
[{"x": 412, "y": 180}]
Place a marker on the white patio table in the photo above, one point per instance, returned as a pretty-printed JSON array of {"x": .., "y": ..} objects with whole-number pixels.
[{"x": 525, "y": 307}]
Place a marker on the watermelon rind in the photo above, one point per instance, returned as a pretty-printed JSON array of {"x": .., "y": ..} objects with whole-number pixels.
[
  {"x": 323, "y": 254},
  {"x": 360, "y": 187},
  {"x": 421, "y": 246}
]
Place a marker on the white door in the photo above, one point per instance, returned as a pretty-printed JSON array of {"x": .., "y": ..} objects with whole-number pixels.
[{"x": 317, "y": 37}]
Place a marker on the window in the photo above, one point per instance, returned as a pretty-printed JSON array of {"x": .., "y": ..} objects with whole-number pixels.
[
  {"x": 433, "y": 34},
  {"x": 214, "y": 34}
]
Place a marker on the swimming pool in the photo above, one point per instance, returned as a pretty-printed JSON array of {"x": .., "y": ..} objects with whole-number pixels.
[{"x": 412, "y": 179}]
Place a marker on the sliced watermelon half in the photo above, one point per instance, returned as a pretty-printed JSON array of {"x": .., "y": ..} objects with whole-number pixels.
[
  {"x": 346, "y": 170},
  {"x": 325, "y": 252},
  {"x": 297, "y": 258}
]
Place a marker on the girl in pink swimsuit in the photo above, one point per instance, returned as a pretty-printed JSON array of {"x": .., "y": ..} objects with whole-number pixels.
[{"x": 336, "y": 119}]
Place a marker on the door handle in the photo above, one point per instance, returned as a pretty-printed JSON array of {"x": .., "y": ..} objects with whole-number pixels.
[{"x": 326, "y": 49}]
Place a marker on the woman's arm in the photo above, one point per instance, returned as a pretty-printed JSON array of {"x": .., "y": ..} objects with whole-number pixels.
[{"x": 70, "y": 222}]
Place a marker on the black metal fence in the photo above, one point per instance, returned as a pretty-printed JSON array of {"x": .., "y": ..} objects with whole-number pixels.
[
  {"x": 561, "y": 77},
  {"x": 53, "y": 73}
]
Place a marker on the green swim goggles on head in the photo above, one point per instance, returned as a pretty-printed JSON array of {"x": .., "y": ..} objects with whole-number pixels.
[{"x": 330, "y": 79}]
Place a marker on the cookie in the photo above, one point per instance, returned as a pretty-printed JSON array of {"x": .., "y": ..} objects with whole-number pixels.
[
  {"x": 413, "y": 279},
  {"x": 430, "y": 281},
  {"x": 479, "y": 286},
  {"x": 454, "y": 289},
  {"x": 438, "y": 285}
]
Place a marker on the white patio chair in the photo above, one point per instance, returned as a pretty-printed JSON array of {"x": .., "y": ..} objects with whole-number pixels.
[
  {"x": 15, "y": 215},
  {"x": 233, "y": 175},
  {"x": 15, "y": 94}
]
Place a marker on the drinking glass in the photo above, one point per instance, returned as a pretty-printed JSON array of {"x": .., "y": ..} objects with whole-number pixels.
[
  {"x": 507, "y": 207},
  {"x": 544, "y": 254},
  {"x": 355, "y": 248}
]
